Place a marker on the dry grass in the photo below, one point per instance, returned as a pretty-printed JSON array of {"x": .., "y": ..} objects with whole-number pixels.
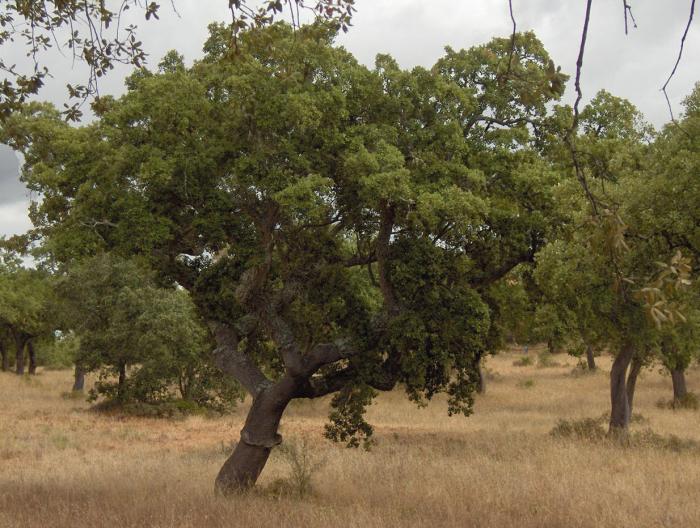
[{"x": 63, "y": 465}]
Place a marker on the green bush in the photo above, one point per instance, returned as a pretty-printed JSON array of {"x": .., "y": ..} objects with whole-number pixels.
[
  {"x": 524, "y": 361},
  {"x": 526, "y": 384},
  {"x": 689, "y": 401},
  {"x": 584, "y": 429},
  {"x": 546, "y": 360}
]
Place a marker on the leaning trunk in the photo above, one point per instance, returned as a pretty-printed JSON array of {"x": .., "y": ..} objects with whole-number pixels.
[
  {"x": 79, "y": 379},
  {"x": 258, "y": 436},
  {"x": 19, "y": 357},
  {"x": 680, "y": 389},
  {"x": 32, "y": 357},
  {"x": 619, "y": 404},
  {"x": 632, "y": 382},
  {"x": 590, "y": 357}
]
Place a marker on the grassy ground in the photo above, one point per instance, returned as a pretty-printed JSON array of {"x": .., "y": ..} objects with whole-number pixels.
[{"x": 62, "y": 465}]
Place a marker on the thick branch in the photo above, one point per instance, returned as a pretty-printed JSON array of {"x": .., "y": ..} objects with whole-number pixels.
[{"x": 235, "y": 363}]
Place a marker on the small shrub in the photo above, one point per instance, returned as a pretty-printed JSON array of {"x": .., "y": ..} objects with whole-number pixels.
[
  {"x": 589, "y": 429},
  {"x": 524, "y": 361},
  {"x": 581, "y": 369},
  {"x": 689, "y": 401},
  {"x": 174, "y": 409},
  {"x": 636, "y": 418},
  {"x": 649, "y": 438},
  {"x": 526, "y": 384},
  {"x": 60, "y": 441},
  {"x": 302, "y": 465},
  {"x": 73, "y": 395},
  {"x": 546, "y": 360}
]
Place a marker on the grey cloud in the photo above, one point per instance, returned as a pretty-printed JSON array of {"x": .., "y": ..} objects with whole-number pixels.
[{"x": 11, "y": 189}]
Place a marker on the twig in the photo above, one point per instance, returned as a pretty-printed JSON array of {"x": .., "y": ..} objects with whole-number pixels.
[{"x": 678, "y": 60}]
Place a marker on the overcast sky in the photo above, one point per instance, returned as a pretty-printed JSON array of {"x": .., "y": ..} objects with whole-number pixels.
[{"x": 415, "y": 33}]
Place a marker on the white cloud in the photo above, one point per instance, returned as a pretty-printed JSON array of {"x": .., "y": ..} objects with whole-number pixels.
[{"x": 14, "y": 219}]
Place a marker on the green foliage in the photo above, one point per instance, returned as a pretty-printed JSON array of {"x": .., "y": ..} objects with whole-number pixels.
[
  {"x": 524, "y": 361},
  {"x": 584, "y": 429},
  {"x": 127, "y": 325},
  {"x": 347, "y": 423},
  {"x": 59, "y": 352},
  {"x": 304, "y": 200}
]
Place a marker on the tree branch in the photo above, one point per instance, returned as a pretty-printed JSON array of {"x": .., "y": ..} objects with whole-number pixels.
[{"x": 233, "y": 362}]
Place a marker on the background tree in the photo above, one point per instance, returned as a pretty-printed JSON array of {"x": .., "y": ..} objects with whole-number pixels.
[
  {"x": 26, "y": 297},
  {"x": 149, "y": 338}
]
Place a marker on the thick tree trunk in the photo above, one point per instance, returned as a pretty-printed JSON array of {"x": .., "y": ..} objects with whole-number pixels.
[
  {"x": 32, "y": 357},
  {"x": 680, "y": 389},
  {"x": 19, "y": 358},
  {"x": 5, "y": 358},
  {"x": 590, "y": 357},
  {"x": 619, "y": 404},
  {"x": 78, "y": 379},
  {"x": 258, "y": 436},
  {"x": 635, "y": 368}
]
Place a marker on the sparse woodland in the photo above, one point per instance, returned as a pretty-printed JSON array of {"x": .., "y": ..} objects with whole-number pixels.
[{"x": 280, "y": 241}]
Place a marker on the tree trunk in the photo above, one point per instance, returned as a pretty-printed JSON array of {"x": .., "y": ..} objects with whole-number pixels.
[
  {"x": 19, "y": 358},
  {"x": 632, "y": 382},
  {"x": 5, "y": 358},
  {"x": 480, "y": 378},
  {"x": 619, "y": 404},
  {"x": 258, "y": 437},
  {"x": 590, "y": 357},
  {"x": 122, "y": 381},
  {"x": 680, "y": 389},
  {"x": 32, "y": 357},
  {"x": 79, "y": 379}
]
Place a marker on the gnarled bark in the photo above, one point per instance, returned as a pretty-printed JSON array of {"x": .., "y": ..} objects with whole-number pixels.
[
  {"x": 619, "y": 404},
  {"x": 258, "y": 436}
]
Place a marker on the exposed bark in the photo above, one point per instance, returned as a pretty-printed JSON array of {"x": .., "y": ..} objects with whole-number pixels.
[
  {"x": 258, "y": 436},
  {"x": 635, "y": 368},
  {"x": 32, "y": 357},
  {"x": 20, "y": 342},
  {"x": 620, "y": 409},
  {"x": 590, "y": 357},
  {"x": 78, "y": 379},
  {"x": 680, "y": 389}
]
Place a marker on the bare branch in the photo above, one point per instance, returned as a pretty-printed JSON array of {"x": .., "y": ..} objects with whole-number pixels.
[
  {"x": 678, "y": 60},
  {"x": 512, "y": 37}
]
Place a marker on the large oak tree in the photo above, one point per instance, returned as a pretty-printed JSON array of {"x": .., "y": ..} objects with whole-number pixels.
[{"x": 336, "y": 226}]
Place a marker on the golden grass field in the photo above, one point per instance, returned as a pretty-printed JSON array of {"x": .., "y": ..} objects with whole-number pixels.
[{"x": 63, "y": 465}]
